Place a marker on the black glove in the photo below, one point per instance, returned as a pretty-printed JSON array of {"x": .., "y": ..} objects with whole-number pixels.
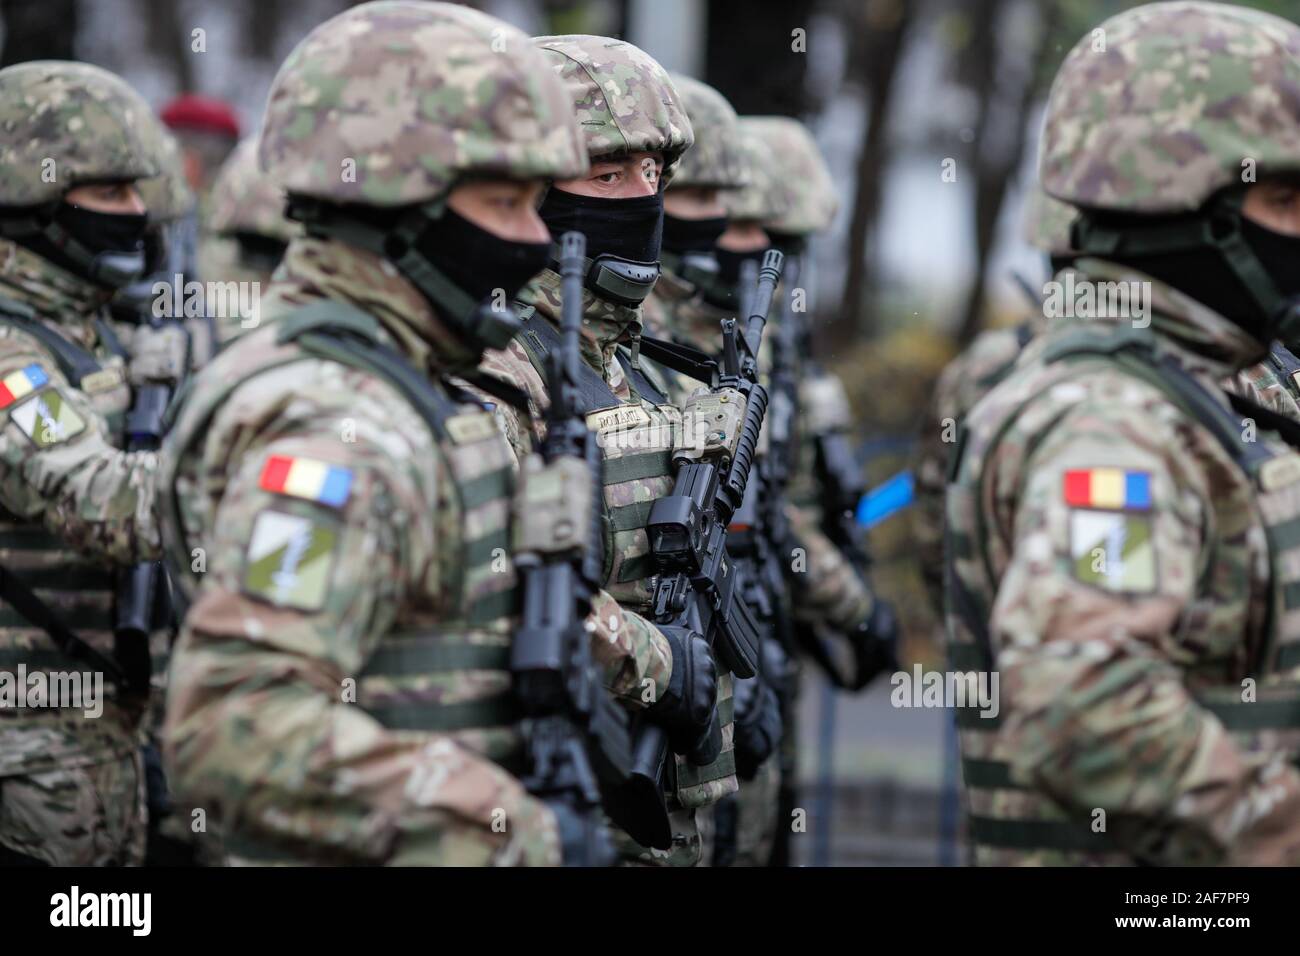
[
  {"x": 758, "y": 725},
  {"x": 688, "y": 707},
  {"x": 584, "y": 841},
  {"x": 875, "y": 645}
]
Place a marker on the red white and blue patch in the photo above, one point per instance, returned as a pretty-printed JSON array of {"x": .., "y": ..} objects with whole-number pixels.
[
  {"x": 21, "y": 383},
  {"x": 307, "y": 478}
]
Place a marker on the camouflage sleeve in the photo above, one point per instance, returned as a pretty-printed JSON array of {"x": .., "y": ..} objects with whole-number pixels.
[
  {"x": 636, "y": 659},
  {"x": 929, "y": 479},
  {"x": 58, "y": 466},
  {"x": 1262, "y": 385},
  {"x": 828, "y": 589},
  {"x": 260, "y": 721},
  {"x": 1086, "y": 627}
]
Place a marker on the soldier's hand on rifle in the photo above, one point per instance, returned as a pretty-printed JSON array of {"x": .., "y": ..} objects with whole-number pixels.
[
  {"x": 875, "y": 644},
  {"x": 687, "y": 707},
  {"x": 758, "y": 724}
]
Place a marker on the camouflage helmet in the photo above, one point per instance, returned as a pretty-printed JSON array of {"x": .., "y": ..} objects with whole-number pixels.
[
  {"x": 624, "y": 100},
  {"x": 1047, "y": 222},
  {"x": 806, "y": 202},
  {"x": 167, "y": 196},
  {"x": 65, "y": 124},
  {"x": 1165, "y": 104},
  {"x": 392, "y": 103},
  {"x": 761, "y": 199},
  {"x": 243, "y": 200},
  {"x": 716, "y": 160}
]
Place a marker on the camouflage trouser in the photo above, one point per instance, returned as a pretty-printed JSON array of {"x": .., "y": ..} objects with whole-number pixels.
[
  {"x": 92, "y": 815},
  {"x": 692, "y": 842},
  {"x": 756, "y": 814}
]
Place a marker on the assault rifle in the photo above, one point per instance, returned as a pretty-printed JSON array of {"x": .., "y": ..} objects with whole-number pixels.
[
  {"x": 696, "y": 590},
  {"x": 577, "y": 740}
]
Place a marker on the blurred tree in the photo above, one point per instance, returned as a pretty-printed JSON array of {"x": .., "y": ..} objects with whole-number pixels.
[
  {"x": 1005, "y": 77},
  {"x": 38, "y": 30},
  {"x": 881, "y": 29},
  {"x": 169, "y": 38},
  {"x": 752, "y": 55}
]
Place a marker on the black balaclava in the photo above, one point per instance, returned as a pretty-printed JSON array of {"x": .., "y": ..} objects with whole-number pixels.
[
  {"x": 468, "y": 274},
  {"x": 684, "y": 236},
  {"x": 259, "y": 252},
  {"x": 623, "y": 240},
  {"x": 479, "y": 262},
  {"x": 1247, "y": 273},
  {"x": 105, "y": 248}
]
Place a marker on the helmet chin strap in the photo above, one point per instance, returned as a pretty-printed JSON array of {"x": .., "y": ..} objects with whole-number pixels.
[
  {"x": 112, "y": 268},
  {"x": 1216, "y": 226},
  {"x": 484, "y": 326}
]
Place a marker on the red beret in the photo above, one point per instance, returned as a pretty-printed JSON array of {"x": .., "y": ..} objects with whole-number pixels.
[{"x": 204, "y": 113}]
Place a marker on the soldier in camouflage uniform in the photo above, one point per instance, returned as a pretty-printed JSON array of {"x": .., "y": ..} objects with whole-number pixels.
[
  {"x": 337, "y": 511},
  {"x": 964, "y": 381},
  {"x": 635, "y": 131},
  {"x": 1121, "y": 544},
  {"x": 165, "y": 346},
  {"x": 246, "y": 230},
  {"x": 745, "y": 183},
  {"x": 73, "y": 504}
]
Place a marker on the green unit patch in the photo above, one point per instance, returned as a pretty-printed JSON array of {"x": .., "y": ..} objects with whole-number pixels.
[
  {"x": 289, "y": 560},
  {"x": 1113, "y": 551},
  {"x": 47, "y": 418}
]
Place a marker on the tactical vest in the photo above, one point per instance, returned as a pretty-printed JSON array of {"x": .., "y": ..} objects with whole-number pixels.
[
  {"x": 76, "y": 588},
  {"x": 444, "y": 666},
  {"x": 1012, "y": 823},
  {"x": 633, "y": 480}
]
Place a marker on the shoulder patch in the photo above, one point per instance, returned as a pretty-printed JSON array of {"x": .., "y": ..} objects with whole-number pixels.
[
  {"x": 1113, "y": 551},
  {"x": 289, "y": 560},
  {"x": 23, "y": 382},
  {"x": 47, "y": 418},
  {"x": 307, "y": 478},
  {"x": 1111, "y": 489}
]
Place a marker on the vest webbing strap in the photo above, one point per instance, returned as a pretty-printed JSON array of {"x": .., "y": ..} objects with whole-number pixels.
[
  {"x": 74, "y": 362},
  {"x": 497, "y": 711},
  {"x": 650, "y": 464},
  {"x": 1062, "y": 835},
  {"x": 630, "y": 517},
  {"x": 410, "y": 655},
  {"x": 541, "y": 337}
]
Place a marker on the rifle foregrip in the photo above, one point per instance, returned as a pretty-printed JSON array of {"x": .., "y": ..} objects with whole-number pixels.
[{"x": 746, "y": 448}]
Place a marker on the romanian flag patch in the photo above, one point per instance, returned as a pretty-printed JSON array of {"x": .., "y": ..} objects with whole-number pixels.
[
  {"x": 1108, "y": 489},
  {"x": 307, "y": 478},
  {"x": 23, "y": 382}
]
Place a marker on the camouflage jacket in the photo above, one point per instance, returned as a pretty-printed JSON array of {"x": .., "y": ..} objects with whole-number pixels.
[
  {"x": 1271, "y": 383},
  {"x": 1119, "y": 559},
  {"x": 73, "y": 505},
  {"x": 636, "y": 429},
  {"x": 260, "y": 725},
  {"x": 965, "y": 380}
]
